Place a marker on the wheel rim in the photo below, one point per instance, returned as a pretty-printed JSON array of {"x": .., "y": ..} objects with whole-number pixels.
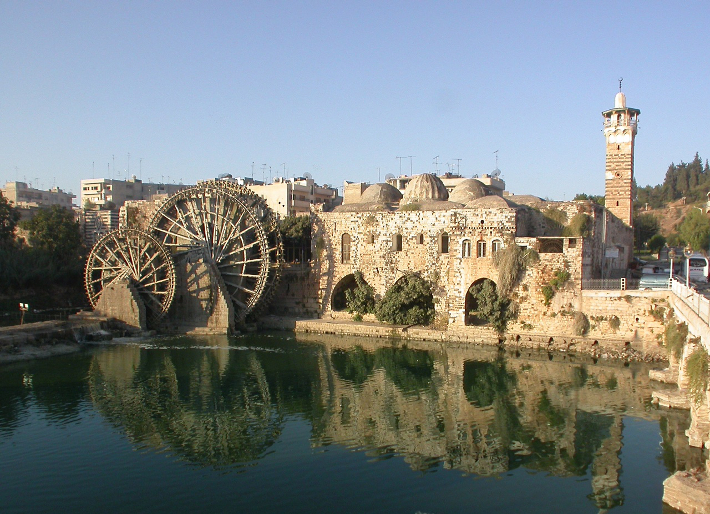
[
  {"x": 228, "y": 228},
  {"x": 133, "y": 255}
]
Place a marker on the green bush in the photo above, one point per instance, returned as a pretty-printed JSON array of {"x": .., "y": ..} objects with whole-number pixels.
[
  {"x": 408, "y": 302},
  {"x": 656, "y": 243},
  {"x": 489, "y": 306},
  {"x": 697, "y": 370},
  {"x": 675, "y": 335},
  {"x": 579, "y": 226},
  {"x": 361, "y": 299},
  {"x": 511, "y": 262}
]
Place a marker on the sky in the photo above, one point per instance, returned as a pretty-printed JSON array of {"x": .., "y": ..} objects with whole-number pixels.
[{"x": 179, "y": 91}]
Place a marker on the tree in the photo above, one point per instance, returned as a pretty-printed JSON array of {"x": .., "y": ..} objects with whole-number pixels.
[
  {"x": 55, "y": 232},
  {"x": 656, "y": 243},
  {"x": 599, "y": 199},
  {"x": 695, "y": 230},
  {"x": 489, "y": 306},
  {"x": 296, "y": 231},
  {"x": 645, "y": 227},
  {"x": 9, "y": 216}
]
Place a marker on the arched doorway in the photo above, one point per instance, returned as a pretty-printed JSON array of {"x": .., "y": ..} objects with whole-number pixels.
[
  {"x": 338, "y": 300},
  {"x": 474, "y": 316}
]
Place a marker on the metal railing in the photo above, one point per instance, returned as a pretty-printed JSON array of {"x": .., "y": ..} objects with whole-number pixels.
[
  {"x": 610, "y": 284},
  {"x": 696, "y": 301}
]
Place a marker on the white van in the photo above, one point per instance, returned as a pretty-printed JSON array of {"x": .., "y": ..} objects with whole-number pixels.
[{"x": 698, "y": 268}]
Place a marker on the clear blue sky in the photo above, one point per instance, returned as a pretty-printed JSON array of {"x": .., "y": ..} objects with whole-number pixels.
[{"x": 340, "y": 89}]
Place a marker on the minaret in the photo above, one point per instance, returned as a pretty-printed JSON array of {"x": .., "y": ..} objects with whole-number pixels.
[{"x": 620, "y": 127}]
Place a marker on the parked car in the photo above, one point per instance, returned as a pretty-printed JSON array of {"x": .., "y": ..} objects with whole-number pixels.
[{"x": 655, "y": 281}]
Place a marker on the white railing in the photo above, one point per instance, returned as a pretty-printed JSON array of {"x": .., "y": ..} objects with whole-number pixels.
[{"x": 697, "y": 302}]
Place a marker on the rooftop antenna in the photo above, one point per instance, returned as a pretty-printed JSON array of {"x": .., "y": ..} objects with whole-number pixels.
[
  {"x": 252, "y": 170},
  {"x": 436, "y": 165},
  {"x": 140, "y": 168},
  {"x": 400, "y": 165},
  {"x": 284, "y": 165},
  {"x": 496, "y": 152},
  {"x": 378, "y": 175},
  {"x": 410, "y": 164},
  {"x": 458, "y": 166},
  {"x": 621, "y": 79},
  {"x": 263, "y": 173},
  {"x": 496, "y": 172}
]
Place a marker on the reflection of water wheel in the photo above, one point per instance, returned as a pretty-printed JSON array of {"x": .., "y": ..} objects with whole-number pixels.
[
  {"x": 229, "y": 227},
  {"x": 133, "y": 255}
]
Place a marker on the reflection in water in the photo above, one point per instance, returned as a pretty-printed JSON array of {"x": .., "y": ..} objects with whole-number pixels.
[{"x": 224, "y": 403}]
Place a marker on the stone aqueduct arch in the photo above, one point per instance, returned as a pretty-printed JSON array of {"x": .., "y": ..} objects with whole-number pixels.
[{"x": 214, "y": 246}]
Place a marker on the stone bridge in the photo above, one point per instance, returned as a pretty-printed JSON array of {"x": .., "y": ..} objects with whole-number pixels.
[{"x": 689, "y": 492}]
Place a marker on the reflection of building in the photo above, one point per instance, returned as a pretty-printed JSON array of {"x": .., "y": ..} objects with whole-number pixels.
[
  {"x": 292, "y": 196},
  {"x": 29, "y": 199}
]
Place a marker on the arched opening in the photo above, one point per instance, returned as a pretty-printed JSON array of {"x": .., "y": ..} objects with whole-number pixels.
[
  {"x": 473, "y": 314},
  {"x": 444, "y": 243},
  {"x": 466, "y": 248},
  {"x": 338, "y": 301},
  {"x": 345, "y": 249},
  {"x": 397, "y": 243}
]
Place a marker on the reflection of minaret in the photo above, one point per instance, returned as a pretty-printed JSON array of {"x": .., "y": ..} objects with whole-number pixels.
[
  {"x": 620, "y": 127},
  {"x": 606, "y": 469}
]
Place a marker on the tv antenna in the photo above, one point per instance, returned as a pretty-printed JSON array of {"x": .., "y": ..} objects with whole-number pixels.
[
  {"x": 400, "y": 164},
  {"x": 140, "y": 168},
  {"x": 496, "y": 172},
  {"x": 252, "y": 170},
  {"x": 263, "y": 173},
  {"x": 458, "y": 166},
  {"x": 436, "y": 165},
  {"x": 621, "y": 79},
  {"x": 410, "y": 164}
]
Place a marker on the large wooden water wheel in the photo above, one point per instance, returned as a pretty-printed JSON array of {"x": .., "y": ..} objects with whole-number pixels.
[
  {"x": 137, "y": 257},
  {"x": 232, "y": 229}
]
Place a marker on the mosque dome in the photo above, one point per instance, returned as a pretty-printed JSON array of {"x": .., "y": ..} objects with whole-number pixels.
[
  {"x": 490, "y": 202},
  {"x": 620, "y": 101},
  {"x": 467, "y": 190},
  {"x": 381, "y": 193},
  {"x": 423, "y": 188}
]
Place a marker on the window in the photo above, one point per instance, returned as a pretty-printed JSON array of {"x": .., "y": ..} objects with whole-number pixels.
[
  {"x": 481, "y": 249},
  {"x": 421, "y": 239},
  {"x": 572, "y": 243},
  {"x": 397, "y": 243},
  {"x": 466, "y": 248},
  {"x": 371, "y": 238},
  {"x": 496, "y": 245},
  {"x": 345, "y": 249},
  {"x": 444, "y": 243}
]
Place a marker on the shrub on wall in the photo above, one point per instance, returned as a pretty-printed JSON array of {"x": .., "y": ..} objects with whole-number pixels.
[
  {"x": 511, "y": 262},
  {"x": 579, "y": 226},
  {"x": 675, "y": 335},
  {"x": 580, "y": 323},
  {"x": 408, "y": 302},
  {"x": 697, "y": 370}
]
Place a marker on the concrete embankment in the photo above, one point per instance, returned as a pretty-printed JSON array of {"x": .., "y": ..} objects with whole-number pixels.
[
  {"x": 599, "y": 348},
  {"x": 48, "y": 338}
]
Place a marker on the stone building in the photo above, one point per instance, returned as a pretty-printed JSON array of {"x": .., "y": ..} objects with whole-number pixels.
[
  {"x": 451, "y": 237},
  {"x": 29, "y": 199}
]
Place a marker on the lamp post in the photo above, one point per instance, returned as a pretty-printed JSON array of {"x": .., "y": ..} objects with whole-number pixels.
[
  {"x": 23, "y": 308},
  {"x": 688, "y": 252},
  {"x": 671, "y": 254}
]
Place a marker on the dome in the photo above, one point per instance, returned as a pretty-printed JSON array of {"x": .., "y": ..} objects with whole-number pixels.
[
  {"x": 490, "y": 202},
  {"x": 424, "y": 187},
  {"x": 467, "y": 190},
  {"x": 620, "y": 101},
  {"x": 381, "y": 193}
]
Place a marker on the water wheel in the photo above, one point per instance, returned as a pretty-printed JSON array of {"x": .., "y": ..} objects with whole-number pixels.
[
  {"x": 232, "y": 229},
  {"x": 133, "y": 255}
]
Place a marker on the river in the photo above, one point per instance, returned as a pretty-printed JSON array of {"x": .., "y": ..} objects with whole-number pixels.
[{"x": 283, "y": 423}]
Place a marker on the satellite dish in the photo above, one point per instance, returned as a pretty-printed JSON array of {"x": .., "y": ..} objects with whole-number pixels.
[
  {"x": 389, "y": 177},
  {"x": 495, "y": 173},
  {"x": 308, "y": 175}
]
